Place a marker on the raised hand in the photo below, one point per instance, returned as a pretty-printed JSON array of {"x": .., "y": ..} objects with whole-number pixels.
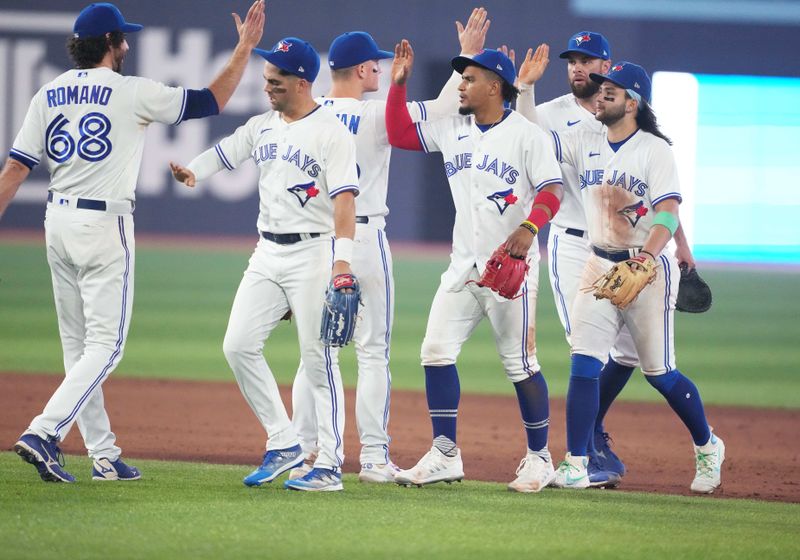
[
  {"x": 403, "y": 62},
  {"x": 509, "y": 53},
  {"x": 534, "y": 65},
  {"x": 182, "y": 174},
  {"x": 473, "y": 37},
  {"x": 253, "y": 27}
]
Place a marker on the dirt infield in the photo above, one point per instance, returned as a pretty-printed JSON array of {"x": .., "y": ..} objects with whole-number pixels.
[{"x": 210, "y": 422}]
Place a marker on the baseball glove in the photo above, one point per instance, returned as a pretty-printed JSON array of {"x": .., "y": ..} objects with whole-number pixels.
[
  {"x": 694, "y": 295},
  {"x": 625, "y": 280},
  {"x": 504, "y": 274},
  {"x": 339, "y": 311}
]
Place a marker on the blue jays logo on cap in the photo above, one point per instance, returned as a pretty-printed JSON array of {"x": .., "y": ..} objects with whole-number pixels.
[
  {"x": 629, "y": 76},
  {"x": 354, "y": 48},
  {"x": 489, "y": 59},
  {"x": 95, "y": 20},
  {"x": 304, "y": 192},
  {"x": 633, "y": 213},
  {"x": 588, "y": 43},
  {"x": 503, "y": 199},
  {"x": 295, "y": 56}
]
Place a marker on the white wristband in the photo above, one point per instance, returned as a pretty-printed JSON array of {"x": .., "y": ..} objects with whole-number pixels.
[{"x": 343, "y": 249}]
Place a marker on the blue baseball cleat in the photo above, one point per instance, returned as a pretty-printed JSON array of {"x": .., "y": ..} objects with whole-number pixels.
[
  {"x": 276, "y": 462},
  {"x": 318, "y": 480},
  {"x": 45, "y": 455},
  {"x": 606, "y": 459},
  {"x": 105, "y": 469},
  {"x": 599, "y": 478}
]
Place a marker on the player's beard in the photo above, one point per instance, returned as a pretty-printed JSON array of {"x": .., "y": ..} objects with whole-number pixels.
[
  {"x": 610, "y": 116},
  {"x": 119, "y": 58},
  {"x": 466, "y": 110},
  {"x": 585, "y": 91}
]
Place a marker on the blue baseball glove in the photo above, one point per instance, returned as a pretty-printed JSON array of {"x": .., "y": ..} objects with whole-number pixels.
[{"x": 340, "y": 310}]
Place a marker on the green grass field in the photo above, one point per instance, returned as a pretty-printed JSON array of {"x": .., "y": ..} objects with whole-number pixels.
[
  {"x": 744, "y": 351},
  {"x": 203, "y": 511}
]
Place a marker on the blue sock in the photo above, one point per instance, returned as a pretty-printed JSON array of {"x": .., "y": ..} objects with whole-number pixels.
[
  {"x": 684, "y": 398},
  {"x": 582, "y": 402},
  {"x": 613, "y": 378},
  {"x": 444, "y": 391},
  {"x": 535, "y": 408}
]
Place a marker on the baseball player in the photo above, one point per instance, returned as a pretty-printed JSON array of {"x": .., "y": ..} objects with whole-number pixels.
[
  {"x": 629, "y": 184},
  {"x": 568, "y": 247},
  {"x": 87, "y": 126},
  {"x": 307, "y": 187},
  {"x": 506, "y": 185},
  {"x": 354, "y": 61}
]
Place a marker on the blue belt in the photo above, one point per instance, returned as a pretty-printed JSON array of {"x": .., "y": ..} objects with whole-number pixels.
[
  {"x": 575, "y": 232},
  {"x": 614, "y": 256},
  {"x": 84, "y": 203},
  {"x": 362, "y": 219},
  {"x": 287, "y": 238}
]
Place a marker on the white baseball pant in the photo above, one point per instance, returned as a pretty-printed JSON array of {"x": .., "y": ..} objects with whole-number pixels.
[
  {"x": 372, "y": 265},
  {"x": 279, "y": 278}
]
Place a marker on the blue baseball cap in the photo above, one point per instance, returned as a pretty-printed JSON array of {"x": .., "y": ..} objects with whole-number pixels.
[
  {"x": 627, "y": 75},
  {"x": 354, "y": 48},
  {"x": 588, "y": 43},
  {"x": 489, "y": 59},
  {"x": 95, "y": 20},
  {"x": 295, "y": 56}
]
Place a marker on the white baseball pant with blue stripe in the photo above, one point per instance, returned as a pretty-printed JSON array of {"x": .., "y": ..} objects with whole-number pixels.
[
  {"x": 91, "y": 258},
  {"x": 454, "y": 316},
  {"x": 650, "y": 318},
  {"x": 372, "y": 265},
  {"x": 279, "y": 278},
  {"x": 566, "y": 259}
]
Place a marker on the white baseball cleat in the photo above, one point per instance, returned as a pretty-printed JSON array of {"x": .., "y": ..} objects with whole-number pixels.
[
  {"x": 708, "y": 466},
  {"x": 572, "y": 473},
  {"x": 533, "y": 474},
  {"x": 435, "y": 466},
  {"x": 376, "y": 472}
]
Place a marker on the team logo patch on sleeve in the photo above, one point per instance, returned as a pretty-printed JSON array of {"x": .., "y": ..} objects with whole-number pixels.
[
  {"x": 634, "y": 212},
  {"x": 304, "y": 192},
  {"x": 503, "y": 199}
]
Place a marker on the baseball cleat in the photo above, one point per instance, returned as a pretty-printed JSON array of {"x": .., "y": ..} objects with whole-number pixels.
[
  {"x": 275, "y": 463},
  {"x": 317, "y": 480},
  {"x": 305, "y": 468},
  {"x": 379, "y": 473},
  {"x": 533, "y": 474},
  {"x": 708, "y": 464},
  {"x": 605, "y": 459},
  {"x": 572, "y": 473},
  {"x": 435, "y": 466},
  {"x": 599, "y": 478},
  {"x": 106, "y": 469},
  {"x": 45, "y": 455}
]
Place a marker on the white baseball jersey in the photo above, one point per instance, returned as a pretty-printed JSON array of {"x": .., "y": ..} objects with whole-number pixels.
[
  {"x": 303, "y": 165},
  {"x": 366, "y": 120},
  {"x": 493, "y": 176},
  {"x": 89, "y": 127},
  {"x": 562, "y": 114},
  {"x": 620, "y": 189}
]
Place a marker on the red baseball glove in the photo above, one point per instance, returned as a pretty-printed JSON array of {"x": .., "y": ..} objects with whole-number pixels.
[{"x": 504, "y": 274}]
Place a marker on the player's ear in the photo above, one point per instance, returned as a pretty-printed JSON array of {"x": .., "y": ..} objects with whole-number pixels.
[{"x": 605, "y": 66}]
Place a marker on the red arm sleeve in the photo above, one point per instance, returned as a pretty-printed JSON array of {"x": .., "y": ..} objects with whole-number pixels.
[{"x": 400, "y": 128}]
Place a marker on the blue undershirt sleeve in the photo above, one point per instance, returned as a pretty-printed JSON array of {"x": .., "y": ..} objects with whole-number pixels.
[{"x": 200, "y": 103}]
